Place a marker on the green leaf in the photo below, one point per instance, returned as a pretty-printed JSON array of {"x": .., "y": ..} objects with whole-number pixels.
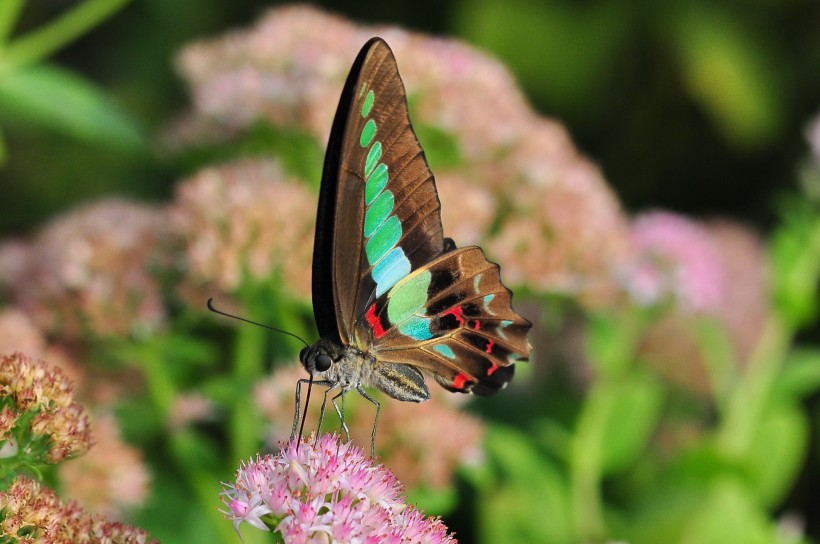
[
  {"x": 776, "y": 452},
  {"x": 63, "y": 101},
  {"x": 626, "y": 433},
  {"x": 728, "y": 69},
  {"x": 524, "y": 479},
  {"x": 434, "y": 502},
  {"x": 564, "y": 52},
  {"x": 796, "y": 263},
  {"x": 728, "y": 513},
  {"x": 800, "y": 376}
]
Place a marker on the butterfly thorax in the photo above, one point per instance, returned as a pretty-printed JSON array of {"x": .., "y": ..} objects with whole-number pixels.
[{"x": 348, "y": 367}]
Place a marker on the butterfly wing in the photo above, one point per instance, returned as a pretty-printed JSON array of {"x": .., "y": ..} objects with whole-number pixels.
[
  {"x": 400, "y": 290},
  {"x": 378, "y": 215},
  {"x": 453, "y": 319}
]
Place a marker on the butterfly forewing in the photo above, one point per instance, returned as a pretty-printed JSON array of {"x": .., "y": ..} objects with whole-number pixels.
[{"x": 384, "y": 202}]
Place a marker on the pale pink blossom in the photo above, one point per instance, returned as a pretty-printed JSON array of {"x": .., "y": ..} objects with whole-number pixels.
[{"x": 322, "y": 490}]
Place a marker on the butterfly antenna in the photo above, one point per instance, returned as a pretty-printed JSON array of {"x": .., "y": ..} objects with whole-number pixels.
[
  {"x": 215, "y": 310},
  {"x": 304, "y": 415}
]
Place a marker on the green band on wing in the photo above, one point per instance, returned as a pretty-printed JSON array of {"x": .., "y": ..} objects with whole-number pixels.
[
  {"x": 388, "y": 271},
  {"x": 367, "y": 105},
  {"x": 373, "y": 157},
  {"x": 368, "y": 131},
  {"x": 383, "y": 239},
  {"x": 377, "y": 212},
  {"x": 408, "y": 298},
  {"x": 375, "y": 183}
]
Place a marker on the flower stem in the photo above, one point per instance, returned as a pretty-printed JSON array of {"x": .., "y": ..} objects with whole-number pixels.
[
  {"x": 162, "y": 391},
  {"x": 248, "y": 357}
]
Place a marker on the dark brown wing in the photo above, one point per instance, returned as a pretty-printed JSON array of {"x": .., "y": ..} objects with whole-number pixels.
[{"x": 378, "y": 208}]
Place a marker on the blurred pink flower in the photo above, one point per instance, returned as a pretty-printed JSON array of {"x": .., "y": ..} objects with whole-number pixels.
[
  {"x": 715, "y": 253},
  {"x": 111, "y": 478},
  {"x": 322, "y": 490},
  {"x": 90, "y": 271},
  {"x": 243, "y": 221},
  {"x": 564, "y": 231},
  {"x": 748, "y": 303},
  {"x": 675, "y": 258},
  {"x": 467, "y": 210}
]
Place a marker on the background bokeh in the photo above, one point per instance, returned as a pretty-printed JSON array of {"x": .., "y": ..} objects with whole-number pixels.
[
  {"x": 694, "y": 106},
  {"x": 647, "y": 174}
]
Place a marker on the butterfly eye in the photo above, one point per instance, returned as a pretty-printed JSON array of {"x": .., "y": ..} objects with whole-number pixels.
[
  {"x": 323, "y": 362},
  {"x": 303, "y": 354}
]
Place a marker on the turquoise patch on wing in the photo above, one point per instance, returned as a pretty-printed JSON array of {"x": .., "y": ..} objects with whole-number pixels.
[
  {"x": 388, "y": 271},
  {"x": 445, "y": 350},
  {"x": 503, "y": 324},
  {"x": 408, "y": 299},
  {"x": 487, "y": 300},
  {"x": 417, "y": 328}
]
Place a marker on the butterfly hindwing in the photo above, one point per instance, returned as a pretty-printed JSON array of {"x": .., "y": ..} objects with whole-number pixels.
[
  {"x": 378, "y": 190},
  {"x": 453, "y": 319}
]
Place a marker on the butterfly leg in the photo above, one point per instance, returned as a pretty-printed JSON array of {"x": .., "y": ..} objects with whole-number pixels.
[
  {"x": 322, "y": 410},
  {"x": 378, "y": 406},
  {"x": 298, "y": 410},
  {"x": 341, "y": 412}
]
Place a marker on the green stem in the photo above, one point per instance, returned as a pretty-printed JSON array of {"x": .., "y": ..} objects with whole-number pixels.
[
  {"x": 39, "y": 44},
  {"x": 748, "y": 401},
  {"x": 205, "y": 486},
  {"x": 248, "y": 357},
  {"x": 721, "y": 361},
  {"x": 749, "y": 398},
  {"x": 586, "y": 462},
  {"x": 162, "y": 391},
  {"x": 9, "y": 14}
]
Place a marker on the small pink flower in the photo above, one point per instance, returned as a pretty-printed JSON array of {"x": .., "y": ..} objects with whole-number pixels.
[
  {"x": 326, "y": 491},
  {"x": 675, "y": 257}
]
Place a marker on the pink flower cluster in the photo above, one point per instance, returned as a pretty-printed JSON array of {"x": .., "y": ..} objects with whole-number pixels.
[
  {"x": 321, "y": 490},
  {"x": 676, "y": 258}
]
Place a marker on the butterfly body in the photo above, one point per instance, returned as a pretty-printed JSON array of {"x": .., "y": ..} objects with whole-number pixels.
[
  {"x": 395, "y": 300},
  {"x": 348, "y": 368}
]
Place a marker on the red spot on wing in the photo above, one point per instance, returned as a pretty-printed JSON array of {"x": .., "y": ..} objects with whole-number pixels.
[
  {"x": 477, "y": 325},
  {"x": 492, "y": 368},
  {"x": 460, "y": 379},
  {"x": 374, "y": 321},
  {"x": 456, "y": 312},
  {"x": 490, "y": 345}
]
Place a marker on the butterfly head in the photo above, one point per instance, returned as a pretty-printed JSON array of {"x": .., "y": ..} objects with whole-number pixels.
[{"x": 318, "y": 358}]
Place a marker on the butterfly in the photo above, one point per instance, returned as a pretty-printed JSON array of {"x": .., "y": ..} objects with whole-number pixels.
[{"x": 394, "y": 300}]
